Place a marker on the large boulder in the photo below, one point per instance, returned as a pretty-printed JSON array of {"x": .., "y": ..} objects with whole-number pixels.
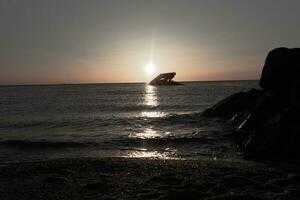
[
  {"x": 260, "y": 124},
  {"x": 281, "y": 71},
  {"x": 230, "y": 106},
  {"x": 265, "y": 123}
]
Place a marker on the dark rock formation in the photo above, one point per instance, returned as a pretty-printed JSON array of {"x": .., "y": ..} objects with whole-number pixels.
[
  {"x": 281, "y": 71},
  {"x": 164, "y": 79},
  {"x": 265, "y": 123}
]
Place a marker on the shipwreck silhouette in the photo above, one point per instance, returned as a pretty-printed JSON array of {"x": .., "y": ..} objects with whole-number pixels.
[{"x": 164, "y": 79}]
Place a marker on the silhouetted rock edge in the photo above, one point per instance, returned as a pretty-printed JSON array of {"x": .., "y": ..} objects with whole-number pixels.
[{"x": 265, "y": 123}]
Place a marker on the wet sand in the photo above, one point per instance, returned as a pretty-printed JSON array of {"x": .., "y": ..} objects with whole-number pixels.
[{"x": 126, "y": 178}]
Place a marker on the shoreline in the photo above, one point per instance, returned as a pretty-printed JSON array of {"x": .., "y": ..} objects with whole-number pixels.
[{"x": 144, "y": 178}]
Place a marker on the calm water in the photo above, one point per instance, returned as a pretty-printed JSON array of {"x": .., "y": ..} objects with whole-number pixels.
[{"x": 103, "y": 120}]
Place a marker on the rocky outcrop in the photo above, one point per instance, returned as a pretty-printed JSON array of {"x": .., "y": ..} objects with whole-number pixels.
[
  {"x": 281, "y": 71},
  {"x": 265, "y": 123}
]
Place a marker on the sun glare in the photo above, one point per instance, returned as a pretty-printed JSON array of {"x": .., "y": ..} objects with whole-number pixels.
[{"x": 150, "y": 68}]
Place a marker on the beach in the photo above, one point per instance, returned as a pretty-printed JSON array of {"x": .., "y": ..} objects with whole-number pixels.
[
  {"x": 129, "y": 141},
  {"x": 131, "y": 178}
]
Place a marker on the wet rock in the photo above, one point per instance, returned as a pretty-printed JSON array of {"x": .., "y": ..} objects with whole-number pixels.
[
  {"x": 265, "y": 123},
  {"x": 232, "y": 105},
  {"x": 279, "y": 140}
]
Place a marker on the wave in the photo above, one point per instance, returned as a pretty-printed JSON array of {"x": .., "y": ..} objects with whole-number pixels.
[
  {"x": 116, "y": 142},
  {"x": 49, "y": 123},
  {"x": 167, "y": 140},
  {"x": 28, "y": 144},
  {"x": 109, "y": 123},
  {"x": 185, "y": 118}
]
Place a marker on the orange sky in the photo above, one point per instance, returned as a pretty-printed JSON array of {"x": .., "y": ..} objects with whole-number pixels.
[{"x": 97, "y": 41}]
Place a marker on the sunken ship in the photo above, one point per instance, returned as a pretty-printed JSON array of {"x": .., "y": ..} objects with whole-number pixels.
[{"x": 164, "y": 79}]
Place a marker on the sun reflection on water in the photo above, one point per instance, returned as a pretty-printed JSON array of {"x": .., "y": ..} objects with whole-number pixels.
[
  {"x": 147, "y": 154},
  {"x": 147, "y": 134},
  {"x": 152, "y": 154},
  {"x": 150, "y": 98},
  {"x": 153, "y": 114}
]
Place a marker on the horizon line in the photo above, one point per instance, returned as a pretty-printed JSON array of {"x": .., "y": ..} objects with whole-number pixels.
[{"x": 99, "y": 83}]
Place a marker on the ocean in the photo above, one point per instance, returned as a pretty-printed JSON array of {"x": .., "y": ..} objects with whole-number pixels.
[{"x": 114, "y": 120}]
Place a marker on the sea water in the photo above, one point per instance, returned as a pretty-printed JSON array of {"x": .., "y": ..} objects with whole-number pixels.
[{"x": 114, "y": 120}]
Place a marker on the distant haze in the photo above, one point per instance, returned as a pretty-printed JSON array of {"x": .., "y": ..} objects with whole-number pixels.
[{"x": 91, "y": 41}]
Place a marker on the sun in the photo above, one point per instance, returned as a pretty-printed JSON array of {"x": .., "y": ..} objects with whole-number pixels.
[{"x": 150, "y": 68}]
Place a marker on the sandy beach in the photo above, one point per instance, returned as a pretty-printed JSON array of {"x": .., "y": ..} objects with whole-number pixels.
[{"x": 126, "y": 178}]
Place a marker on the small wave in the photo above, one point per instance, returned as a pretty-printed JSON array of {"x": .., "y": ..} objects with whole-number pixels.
[
  {"x": 28, "y": 144},
  {"x": 165, "y": 119},
  {"x": 113, "y": 143},
  {"x": 188, "y": 119},
  {"x": 172, "y": 140},
  {"x": 24, "y": 124},
  {"x": 185, "y": 118},
  {"x": 75, "y": 123}
]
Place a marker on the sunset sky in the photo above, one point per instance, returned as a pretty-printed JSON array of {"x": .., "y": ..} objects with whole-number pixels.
[{"x": 94, "y": 41}]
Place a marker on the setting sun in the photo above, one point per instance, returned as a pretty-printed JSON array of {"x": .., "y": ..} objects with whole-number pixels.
[{"x": 150, "y": 68}]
